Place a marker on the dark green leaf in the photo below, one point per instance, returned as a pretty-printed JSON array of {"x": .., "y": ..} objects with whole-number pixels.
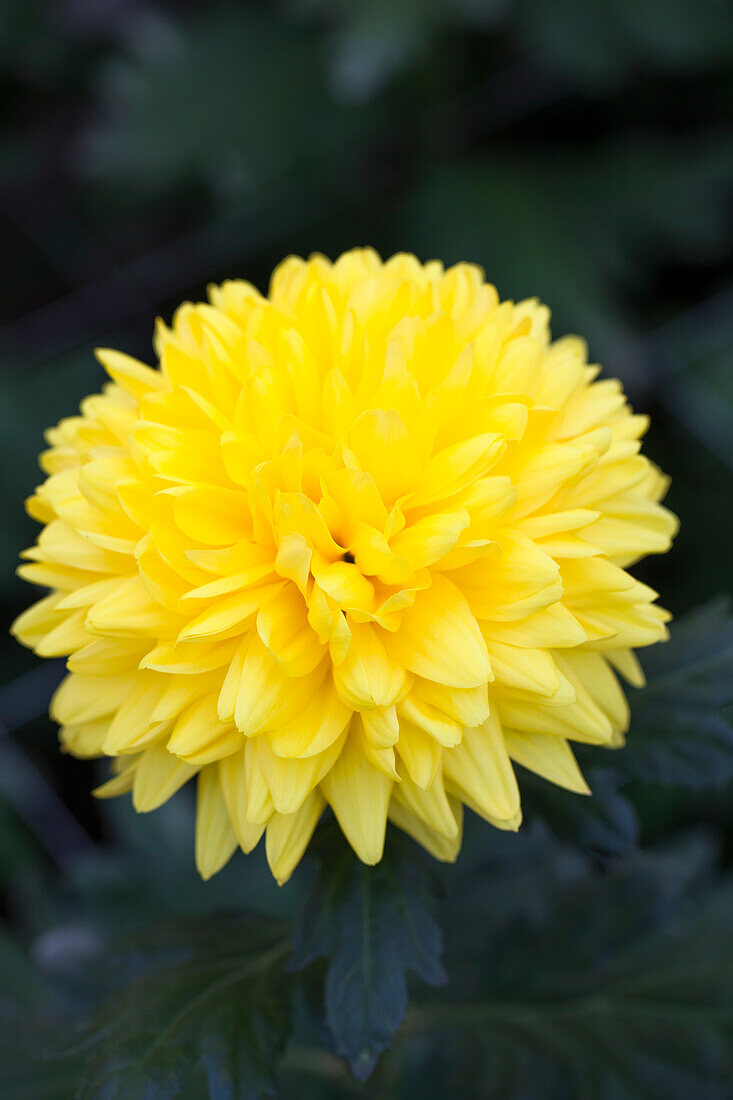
[
  {"x": 27, "y": 1076},
  {"x": 245, "y": 126},
  {"x": 600, "y": 44},
  {"x": 620, "y": 990},
  {"x": 212, "y": 995},
  {"x": 373, "y": 924},
  {"x": 19, "y": 980},
  {"x": 681, "y": 722},
  {"x": 606, "y": 823},
  {"x": 30, "y": 1011}
]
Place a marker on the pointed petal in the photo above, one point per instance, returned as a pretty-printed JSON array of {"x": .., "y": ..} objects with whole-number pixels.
[
  {"x": 215, "y": 837},
  {"x": 288, "y": 836},
  {"x": 439, "y": 638},
  {"x": 234, "y": 788},
  {"x": 432, "y": 806},
  {"x": 367, "y": 677},
  {"x": 358, "y": 794},
  {"x": 266, "y": 697},
  {"x": 315, "y": 727},
  {"x": 420, "y": 753},
  {"x": 379, "y": 440},
  {"x": 548, "y": 756},
  {"x": 290, "y": 781},
  {"x": 480, "y": 771},
  {"x": 199, "y": 736},
  {"x": 284, "y": 628},
  {"x": 157, "y": 777},
  {"x": 438, "y": 846}
]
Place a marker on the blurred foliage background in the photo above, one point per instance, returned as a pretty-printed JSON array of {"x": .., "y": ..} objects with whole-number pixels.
[{"x": 582, "y": 152}]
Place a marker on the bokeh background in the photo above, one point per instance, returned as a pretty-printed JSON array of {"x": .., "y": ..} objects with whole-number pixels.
[{"x": 579, "y": 151}]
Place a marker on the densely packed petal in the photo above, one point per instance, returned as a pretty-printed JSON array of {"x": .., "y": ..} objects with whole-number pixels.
[{"x": 362, "y": 543}]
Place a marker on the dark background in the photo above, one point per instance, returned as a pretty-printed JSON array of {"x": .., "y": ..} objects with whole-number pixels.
[{"x": 580, "y": 151}]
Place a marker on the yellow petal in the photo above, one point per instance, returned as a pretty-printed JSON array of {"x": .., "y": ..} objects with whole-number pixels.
[
  {"x": 129, "y": 373},
  {"x": 439, "y": 638},
  {"x": 258, "y": 805},
  {"x": 315, "y": 728},
  {"x": 542, "y": 473},
  {"x": 213, "y": 516},
  {"x": 196, "y": 598},
  {"x": 438, "y": 846},
  {"x": 456, "y": 467},
  {"x": 284, "y": 628},
  {"x": 374, "y": 556},
  {"x": 415, "y": 709},
  {"x": 358, "y": 793},
  {"x": 129, "y": 612},
  {"x": 199, "y": 737},
  {"x": 66, "y": 638},
  {"x": 382, "y": 447},
  {"x": 518, "y": 581},
  {"x": 420, "y": 753},
  {"x": 120, "y": 783},
  {"x": 216, "y": 840},
  {"x": 381, "y": 756},
  {"x": 554, "y": 627},
  {"x": 158, "y": 776},
  {"x": 344, "y": 583},
  {"x": 162, "y": 583},
  {"x": 432, "y": 806},
  {"x": 189, "y": 659},
  {"x": 595, "y": 673},
  {"x": 290, "y": 781},
  {"x": 84, "y": 739},
  {"x": 132, "y": 726},
  {"x": 288, "y": 836},
  {"x": 33, "y": 624},
  {"x": 356, "y": 496},
  {"x": 367, "y": 677},
  {"x": 626, "y": 662},
  {"x": 180, "y": 691},
  {"x": 427, "y": 540},
  {"x": 234, "y": 787},
  {"x": 485, "y": 500},
  {"x": 381, "y": 726},
  {"x": 581, "y": 720},
  {"x": 548, "y": 756},
  {"x": 228, "y": 615},
  {"x": 480, "y": 771},
  {"x": 266, "y": 697},
  {"x": 82, "y": 698},
  {"x": 467, "y": 706},
  {"x": 525, "y": 669},
  {"x": 294, "y": 558}
]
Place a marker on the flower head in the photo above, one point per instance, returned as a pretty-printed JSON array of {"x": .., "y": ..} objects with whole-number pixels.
[{"x": 362, "y": 542}]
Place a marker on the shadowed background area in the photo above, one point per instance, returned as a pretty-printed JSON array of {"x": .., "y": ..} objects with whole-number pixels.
[{"x": 579, "y": 152}]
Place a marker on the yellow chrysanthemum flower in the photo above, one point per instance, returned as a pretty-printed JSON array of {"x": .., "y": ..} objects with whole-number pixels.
[{"x": 360, "y": 543}]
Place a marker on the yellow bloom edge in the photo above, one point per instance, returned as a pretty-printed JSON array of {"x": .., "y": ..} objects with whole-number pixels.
[{"x": 360, "y": 543}]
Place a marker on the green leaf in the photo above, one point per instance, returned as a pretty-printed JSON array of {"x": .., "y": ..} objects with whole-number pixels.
[
  {"x": 619, "y": 988},
  {"x": 600, "y": 44},
  {"x": 213, "y": 996},
  {"x": 25, "y": 1075},
  {"x": 682, "y": 721},
  {"x": 30, "y": 1011},
  {"x": 377, "y": 40},
  {"x": 222, "y": 71},
  {"x": 373, "y": 924},
  {"x": 606, "y": 823}
]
